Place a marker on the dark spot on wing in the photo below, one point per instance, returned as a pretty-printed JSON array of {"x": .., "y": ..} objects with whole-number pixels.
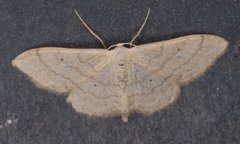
[{"x": 121, "y": 64}]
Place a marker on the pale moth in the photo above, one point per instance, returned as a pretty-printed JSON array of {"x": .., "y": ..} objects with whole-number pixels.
[{"x": 123, "y": 78}]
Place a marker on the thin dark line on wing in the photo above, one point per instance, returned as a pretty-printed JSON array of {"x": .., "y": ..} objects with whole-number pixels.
[
  {"x": 161, "y": 67},
  {"x": 54, "y": 72},
  {"x": 195, "y": 53},
  {"x": 67, "y": 78}
]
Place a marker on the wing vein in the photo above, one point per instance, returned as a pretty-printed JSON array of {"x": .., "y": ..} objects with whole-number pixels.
[
  {"x": 55, "y": 73},
  {"x": 200, "y": 47}
]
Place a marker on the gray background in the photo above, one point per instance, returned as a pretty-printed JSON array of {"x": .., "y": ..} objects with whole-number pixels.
[{"x": 207, "y": 111}]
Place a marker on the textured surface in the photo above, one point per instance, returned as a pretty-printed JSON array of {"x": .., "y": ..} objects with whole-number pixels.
[
  {"x": 120, "y": 81},
  {"x": 207, "y": 110}
]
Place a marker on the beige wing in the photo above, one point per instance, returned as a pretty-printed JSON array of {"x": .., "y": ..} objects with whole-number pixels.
[
  {"x": 182, "y": 59},
  {"x": 159, "y": 68},
  {"x": 84, "y": 74},
  {"x": 148, "y": 91}
]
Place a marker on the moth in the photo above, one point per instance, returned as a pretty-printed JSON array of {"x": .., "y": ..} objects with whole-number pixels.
[{"x": 124, "y": 78}]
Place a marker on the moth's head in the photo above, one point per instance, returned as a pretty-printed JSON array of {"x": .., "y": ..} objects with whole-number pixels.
[{"x": 121, "y": 45}]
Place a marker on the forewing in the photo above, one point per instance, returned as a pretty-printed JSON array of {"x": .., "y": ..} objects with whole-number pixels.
[
  {"x": 60, "y": 69},
  {"x": 181, "y": 59}
]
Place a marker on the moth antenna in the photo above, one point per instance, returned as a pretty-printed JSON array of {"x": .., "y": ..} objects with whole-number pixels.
[
  {"x": 90, "y": 30},
  {"x": 141, "y": 28}
]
